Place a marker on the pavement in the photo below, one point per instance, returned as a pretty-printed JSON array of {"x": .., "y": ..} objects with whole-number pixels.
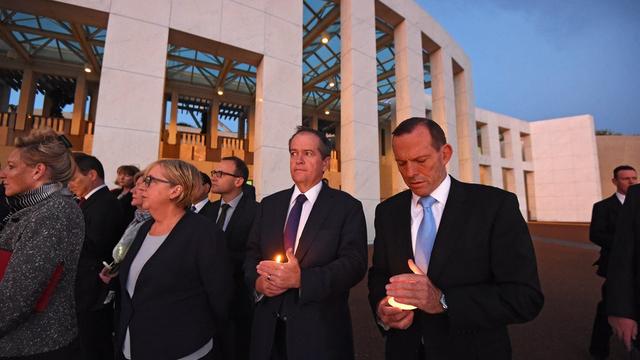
[{"x": 563, "y": 328}]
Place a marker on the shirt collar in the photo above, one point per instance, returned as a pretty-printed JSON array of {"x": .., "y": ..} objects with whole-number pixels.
[
  {"x": 311, "y": 194},
  {"x": 233, "y": 203},
  {"x": 201, "y": 204},
  {"x": 441, "y": 193},
  {"x": 620, "y": 197},
  {"x": 94, "y": 191}
]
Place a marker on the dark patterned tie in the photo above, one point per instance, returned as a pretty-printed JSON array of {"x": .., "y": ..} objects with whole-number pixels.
[
  {"x": 81, "y": 201},
  {"x": 223, "y": 215},
  {"x": 291, "y": 229}
]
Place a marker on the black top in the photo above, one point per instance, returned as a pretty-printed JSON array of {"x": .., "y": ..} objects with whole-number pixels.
[{"x": 603, "y": 229}]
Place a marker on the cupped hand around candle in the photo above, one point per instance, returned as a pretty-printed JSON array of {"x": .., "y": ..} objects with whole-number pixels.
[
  {"x": 282, "y": 275},
  {"x": 393, "y": 317},
  {"x": 415, "y": 289}
]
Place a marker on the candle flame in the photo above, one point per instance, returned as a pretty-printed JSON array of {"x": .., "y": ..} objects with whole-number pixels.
[{"x": 279, "y": 258}]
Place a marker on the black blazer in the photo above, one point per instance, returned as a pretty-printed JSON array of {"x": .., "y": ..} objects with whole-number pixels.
[
  {"x": 182, "y": 294},
  {"x": 207, "y": 210},
  {"x": 623, "y": 280},
  {"x": 483, "y": 261},
  {"x": 128, "y": 210},
  {"x": 332, "y": 252},
  {"x": 603, "y": 228},
  {"x": 103, "y": 228}
]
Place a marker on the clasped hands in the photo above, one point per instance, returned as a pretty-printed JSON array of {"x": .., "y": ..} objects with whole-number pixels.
[
  {"x": 412, "y": 289},
  {"x": 275, "y": 278}
]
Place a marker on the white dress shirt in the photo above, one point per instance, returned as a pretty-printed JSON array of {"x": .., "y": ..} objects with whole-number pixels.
[
  {"x": 312, "y": 195},
  {"x": 441, "y": 193},
  {"x": 620, "y": 197}
]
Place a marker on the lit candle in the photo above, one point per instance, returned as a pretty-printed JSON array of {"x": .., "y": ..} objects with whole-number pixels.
[
  {"x": 278, "y": 258},
  {"x": 398, "y": 305}
]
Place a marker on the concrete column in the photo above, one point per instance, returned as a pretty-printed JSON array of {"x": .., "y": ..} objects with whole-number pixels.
[
  {"x": 173, "y": 118},
  {"x": 443, "y": 99},
  {"x": 409, "y": 72},
  {"x": 241, "y": 127},
  {"x": 360, "y": 159},
  {"x": 25, "y": 104},
  {"x": 129, "y": 112},
  {"x": 93, "y": 104},
  {"x": 252, "y": 129},
  {"x": 5, "y": 94},
  {"x": 213, "y": 126},
  {"x": 47, "y": 104},
  {"x": 79, "y": 99},
  {"x": 278, "y": 96},
  {"x": 409, "y": 84},
  {"x": 466, "y": 126}
]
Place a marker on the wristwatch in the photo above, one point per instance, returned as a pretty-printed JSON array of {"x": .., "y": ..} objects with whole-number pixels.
[{"x": 443, "y": 302}]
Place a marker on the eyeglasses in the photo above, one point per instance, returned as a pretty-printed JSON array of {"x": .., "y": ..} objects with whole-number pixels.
[
  {"x": 149, "y": 179},
  {"x": 218, "y": 174}
]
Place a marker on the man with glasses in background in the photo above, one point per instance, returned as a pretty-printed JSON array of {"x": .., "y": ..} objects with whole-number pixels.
[{"x": 234, "y": 213}]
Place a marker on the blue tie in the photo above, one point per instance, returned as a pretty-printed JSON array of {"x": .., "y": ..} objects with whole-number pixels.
[
  {"x": 291, "y": 228},
  {"x": 426, "y": 234}
]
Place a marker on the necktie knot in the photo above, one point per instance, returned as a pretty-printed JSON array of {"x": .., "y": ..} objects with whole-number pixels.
[
  {"x": 301, "y": 199},
  {"x": 427, "y": 201}
]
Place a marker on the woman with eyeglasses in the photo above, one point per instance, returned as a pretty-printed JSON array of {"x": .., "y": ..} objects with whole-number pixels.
[
  {"x": 175, "y": 280},
  {"x": 39, "y": 249}
]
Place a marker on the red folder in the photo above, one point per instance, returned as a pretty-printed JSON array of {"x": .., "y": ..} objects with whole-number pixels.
[{"x": 43, "y": 301}]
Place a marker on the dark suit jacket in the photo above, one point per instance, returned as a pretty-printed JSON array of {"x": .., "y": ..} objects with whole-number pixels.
[
  {"x": 332, "y": 252},
  {"x": 128, "y": 210},
  {"x": 207, "y": 210},
  {"x": 482, "y": 260},
  {"x": 103, "y": 229},
  {"x": 623, "y": 279},
  {"x": 603, "y": 228},
  {"x": 182, "y": 294},
  {"x": 236, "y": 236}
]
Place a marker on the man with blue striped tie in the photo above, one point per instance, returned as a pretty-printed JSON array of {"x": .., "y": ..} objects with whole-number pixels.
[{"x": 453, "y": 263}]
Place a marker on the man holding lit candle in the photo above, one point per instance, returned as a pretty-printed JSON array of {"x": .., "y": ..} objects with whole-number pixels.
[
  {"x": 302, "y": 309},
  {"x": 460, "y": 253}
]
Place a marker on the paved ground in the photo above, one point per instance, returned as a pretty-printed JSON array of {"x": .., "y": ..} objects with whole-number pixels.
[{"x": 563, "y": 328}]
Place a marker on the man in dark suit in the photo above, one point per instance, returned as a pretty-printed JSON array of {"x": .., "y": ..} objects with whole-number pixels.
[
  {"x": 234, "y": 213},
  {"x": 623, "y": 274},
  {"x": 601, "y": 233},
  {"x": 201, "y": 204},
  {"x": 302, "y": 309},
  {"x": 103, "y": 228},
  {"x": 459, "y": 253}
]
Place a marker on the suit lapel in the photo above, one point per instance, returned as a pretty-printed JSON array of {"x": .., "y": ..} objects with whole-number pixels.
[
  {"x": 93, "y": 198},
  {"x": 449, "y": 229},
  {"x": 319, "y": 212},
  {"x": 401, "y": 220},
  {"x": 237, "y": 213}
]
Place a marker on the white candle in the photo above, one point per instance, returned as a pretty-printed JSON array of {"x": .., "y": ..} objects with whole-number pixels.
[{"x": 401, "y": 306}]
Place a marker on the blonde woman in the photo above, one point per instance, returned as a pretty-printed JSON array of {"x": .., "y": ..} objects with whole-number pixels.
[
  {"x": 40, "y": 244},
  {"x": 175, "y": 280}
]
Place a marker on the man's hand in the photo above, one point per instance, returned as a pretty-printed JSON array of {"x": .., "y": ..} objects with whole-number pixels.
[
  {"x": 268, "y": 289},
  {"x": 625, "y": 329},
  {"x": 282, "y": 275},
  {"x": 394, "y": 317},
  {"x": 415, "y": 289}
]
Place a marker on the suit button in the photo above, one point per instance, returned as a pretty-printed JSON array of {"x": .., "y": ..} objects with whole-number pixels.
[
  {"x": 276, "y": 315},
  {"x": 284, "y": 318}
]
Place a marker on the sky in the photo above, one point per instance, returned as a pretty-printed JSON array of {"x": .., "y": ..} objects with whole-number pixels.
[{"x": 545, "y": 59}]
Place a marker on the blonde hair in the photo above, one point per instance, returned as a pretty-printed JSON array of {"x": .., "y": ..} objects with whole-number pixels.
[
  {"x": 180, "y": 173},
  {"x": 47, "y": 147}
]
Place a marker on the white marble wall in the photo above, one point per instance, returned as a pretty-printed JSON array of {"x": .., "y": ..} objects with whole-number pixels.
[
  {"x": 496, "y": 162},
  {"x": 565, "y": 159}
]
